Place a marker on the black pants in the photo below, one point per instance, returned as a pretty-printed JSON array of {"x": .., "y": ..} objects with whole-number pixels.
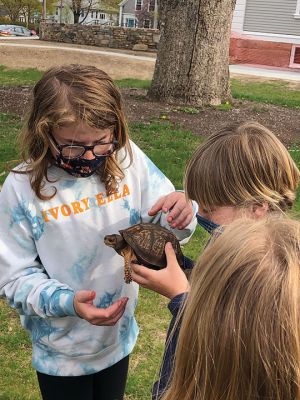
[{"x": 108, "y": 384}]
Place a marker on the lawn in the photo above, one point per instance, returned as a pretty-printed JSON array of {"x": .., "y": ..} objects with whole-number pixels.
[
  {"x": 277, "y": 92},
  {"x": 17, "y": 379}
]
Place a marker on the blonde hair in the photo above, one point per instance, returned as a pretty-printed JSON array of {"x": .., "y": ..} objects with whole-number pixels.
[
  {"x": 64, "y": 95},
  {"x": 240, "y": 164},
  {"x": 240, "y": 333}
]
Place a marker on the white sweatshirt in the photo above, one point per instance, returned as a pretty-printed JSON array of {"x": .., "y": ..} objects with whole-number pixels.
[{"x": 50, "y": 249}]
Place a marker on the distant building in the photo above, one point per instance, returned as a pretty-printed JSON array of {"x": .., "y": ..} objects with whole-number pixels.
[
  {"x": 266, "y": 32},
  {"x": 98, "y": 14},
  {"x": 138, "y": 13}
]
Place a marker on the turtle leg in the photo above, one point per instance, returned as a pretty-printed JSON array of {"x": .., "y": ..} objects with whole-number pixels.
[{"x": 127, "y": 253}]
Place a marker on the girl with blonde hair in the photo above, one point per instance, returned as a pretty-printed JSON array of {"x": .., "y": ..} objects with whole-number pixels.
[
  {"x": 242, "y": 170},
  {"x": 81, "y": 179},
  {"x": 240, "y": 332}
]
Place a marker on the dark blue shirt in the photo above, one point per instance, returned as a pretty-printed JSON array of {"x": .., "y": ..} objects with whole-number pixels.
[
  {"x": 166, "y": 368},
  {"x": 161, "y": 385}
]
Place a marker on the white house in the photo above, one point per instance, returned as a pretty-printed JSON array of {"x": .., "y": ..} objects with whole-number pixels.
[{"x": 97, "y": 14}]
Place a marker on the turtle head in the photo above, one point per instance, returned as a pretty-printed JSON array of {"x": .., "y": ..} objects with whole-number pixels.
[{"x": 115, "y": 241}]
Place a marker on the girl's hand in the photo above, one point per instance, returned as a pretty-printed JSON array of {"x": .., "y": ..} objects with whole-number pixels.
[
  {"x": 84, "y": 307},
  {"x": 169, "y": 281},
  {"x": 180, "y": 209}
]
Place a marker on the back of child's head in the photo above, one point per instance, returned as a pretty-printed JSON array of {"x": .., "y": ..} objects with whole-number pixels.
[
  {"x": 69, "y": 94},
  {"x": 240, "y": 334},
  {"x": 242, "y": 164}
]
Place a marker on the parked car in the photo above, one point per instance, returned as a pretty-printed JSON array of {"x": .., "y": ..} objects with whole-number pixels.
[
  {"x": 16, "y": 30},
  {"x": 4, "y": 31}
]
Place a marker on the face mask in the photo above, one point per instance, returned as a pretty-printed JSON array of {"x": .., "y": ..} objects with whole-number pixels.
[
  {"x": 79, "y": 166},
  {"x": 205, "y": 223}
]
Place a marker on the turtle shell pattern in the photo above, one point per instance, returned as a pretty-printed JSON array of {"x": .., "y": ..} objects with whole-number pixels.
[{"x": 148, "y": 243}]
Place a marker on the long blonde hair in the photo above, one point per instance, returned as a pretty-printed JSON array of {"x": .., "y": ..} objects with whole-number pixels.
[
  {"x": 64, "y": 95},
  {"x": 241, "y": 164},
  {"x": 240, "y": 333}
]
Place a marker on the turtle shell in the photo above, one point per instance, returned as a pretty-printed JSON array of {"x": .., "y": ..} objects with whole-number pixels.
[{"x": 148, "y": 243}]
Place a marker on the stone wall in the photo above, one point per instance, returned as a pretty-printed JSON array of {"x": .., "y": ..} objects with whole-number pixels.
[{"x": 103, "y": 36}]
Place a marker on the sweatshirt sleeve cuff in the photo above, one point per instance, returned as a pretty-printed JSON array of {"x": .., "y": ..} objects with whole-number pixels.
[
  {"x": 62, "y": 303},
  {"x": 176, "y": 303}
]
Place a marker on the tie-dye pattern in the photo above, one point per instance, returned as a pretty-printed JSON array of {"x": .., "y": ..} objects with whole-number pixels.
[
  {"x": 82, "y": 266},
  {"x": 48, "y": 252},
  {"x": 134, "y": 215},
  {"x": 107, "y": 299},
  {"x": 22, "y": 211}
]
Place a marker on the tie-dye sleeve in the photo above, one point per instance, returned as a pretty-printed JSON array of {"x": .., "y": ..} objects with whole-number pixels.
[
  {"x": 23, "y": 280},
  {"x": 154, "y": 184}
]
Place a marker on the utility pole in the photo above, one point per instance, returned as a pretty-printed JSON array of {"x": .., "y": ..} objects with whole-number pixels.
[
  {"x": 155, "y": 14},
  {"x": 44, "y": 13},
  {"x": 60, "y": 11}
]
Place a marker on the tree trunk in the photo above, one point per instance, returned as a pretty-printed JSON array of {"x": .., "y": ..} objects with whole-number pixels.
[
  {"x": 193, "y": 55},
  {"x": 76, "y": 15}
]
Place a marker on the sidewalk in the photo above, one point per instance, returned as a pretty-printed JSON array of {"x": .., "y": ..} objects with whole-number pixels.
[
  {"x": 265, "y": 71},
  {"x": 143, "y": 58}
]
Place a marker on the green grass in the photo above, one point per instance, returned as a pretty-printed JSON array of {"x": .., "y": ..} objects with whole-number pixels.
[
  {"x": 17, "y": 377},
  {"x": 10, "y": 125},
  {"x": 277, "y": 92},
  {"x": 224, "y": 107},
  {"x": 133, "y": 83},
  {"x": 167, "y": 146},
  {"x": 18, "y": 77}
]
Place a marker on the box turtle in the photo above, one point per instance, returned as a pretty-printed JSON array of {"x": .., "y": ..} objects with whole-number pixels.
[{"x": 146, "y": 244}]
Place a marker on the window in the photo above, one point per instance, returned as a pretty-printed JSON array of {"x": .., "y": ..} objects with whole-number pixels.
[
  {"x": 82, "y": 14},
  {"x": 102, "y": 16},
  {"x": 130, "y": 23},
  {"x": 138, "y": 5},
  {"x": 92, "y": 14},
  {"x": 151, "y": 5},
  {"x": 146, "y": 23},
  {"x": 295, "y": 57}
]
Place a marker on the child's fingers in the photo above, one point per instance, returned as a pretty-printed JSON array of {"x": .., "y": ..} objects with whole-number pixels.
[
  {"x": 113, "y": 320},
  {"x": 156, "y": 207},
  {"x": 176, "y": 210},
  {"x": 85, "y": 296},
  {"x": 109, "y": 315},
  {"x": 170, "y": 255},
  {"x": 180, "y": 212},
  {"x": 183, "y": 221},
  {"x": 141, "y": 274},
  {"x": 113, "y": 310}
]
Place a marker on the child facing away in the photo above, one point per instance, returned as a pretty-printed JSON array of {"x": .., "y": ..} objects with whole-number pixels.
[
  {"x": 81, "y": 179},
  {"x": 239, "y": 337},
  {"x": 242, "y": 170}
]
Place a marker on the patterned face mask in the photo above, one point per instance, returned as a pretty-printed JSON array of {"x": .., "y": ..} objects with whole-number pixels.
[
  {"x": 69, "y": 157},
  {"x": 79, "y": 166},
  {"x": 205, "y": 223}
]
